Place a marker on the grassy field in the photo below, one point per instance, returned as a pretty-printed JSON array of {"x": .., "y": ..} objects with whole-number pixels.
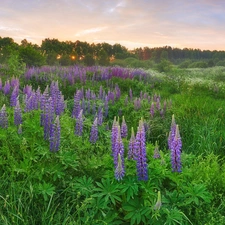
[{"x": 59, "y": 165}]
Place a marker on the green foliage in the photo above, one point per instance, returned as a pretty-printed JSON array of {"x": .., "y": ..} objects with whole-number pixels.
[
  {"x": 31, "y": 56},
  {"x": 164, "y": 66},
  {"x": 77, "y": 185},
  {"x": 15, "y": 66}
]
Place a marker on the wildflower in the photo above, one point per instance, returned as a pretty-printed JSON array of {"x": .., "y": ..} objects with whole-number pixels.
[
  {"x": 79, "y": 124},
  {"x": 55, "y": 135},
  {"x": 77, "y": 107},
  {"x": 152, "y": 109},
  {"x": 100, "y": 115},
  {"x": 118, "y": 156},
  {"x": 172, "y": 132},
  {"x": 14, "y": 95},
  {"x": 131, "y": 151},
  {"x": 6, "y": 88},
  {"x": 158, "y": 106},
  {"x": 94, "y": 131},
  {"x": 176, "y": 145},
  {"x": 48, "y": 116},
  {"x": 140, "y": 153},
  {"x": 131, "y": 94},
  {"x": 119, "y": 172},
  {"x": 3, "y": 117},
  {"x": 114, "y": 134},
  {"x": 17, "y": 114},
  {"x": 123, "y": 128}
]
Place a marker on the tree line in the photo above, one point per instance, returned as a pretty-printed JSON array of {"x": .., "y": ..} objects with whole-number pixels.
[{"x": 55, "y": 52}]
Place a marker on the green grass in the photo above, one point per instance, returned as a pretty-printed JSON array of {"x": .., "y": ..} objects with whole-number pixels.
[{"x": 77, "y": 186}]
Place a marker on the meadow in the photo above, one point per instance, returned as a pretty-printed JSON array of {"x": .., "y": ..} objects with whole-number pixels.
[{"x": 97, "y": 145}]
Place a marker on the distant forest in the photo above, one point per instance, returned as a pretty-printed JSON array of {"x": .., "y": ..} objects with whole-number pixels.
[{"x": 55, "y": 52}]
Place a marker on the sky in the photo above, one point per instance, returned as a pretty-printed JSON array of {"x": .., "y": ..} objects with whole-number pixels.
[{"x": 131, "y": 23}]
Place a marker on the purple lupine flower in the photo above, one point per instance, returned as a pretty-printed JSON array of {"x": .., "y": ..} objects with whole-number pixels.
[
  {"x": 172, "y": 132},
  {"x": 14, "y": 82},
  {"x": 88, "y": 94},
  {"x": 114, "y": 134},
  {"x": 140, "y": 153},
  {"x": 152, "y": 109},
  {"x": 38, "y": 96},
  {"x": 17, "y": 114},
  {"x": 156, "y": 151},
  {"x": 158, "y": 106},
  {"x": 118, "y": 156},
  {"x": 123, "y": 128},
  {"x": 44, "y": 98},
  {"x": 14, "y": 95},
  {"x": 48, "y": 117},
  {"x": 118, "y": 92},
  {"x": 131, "y": 94},
  {"x": 77, "y": 107},
  {"x": 176, "y": 146},
  {"x": 131, "y": 151},
  {"x": 83, "y": 106},
  {"x": 119, "y": 171},
  {"x": 6, "y": 88},
  {"x": 79, "y": 124},
  {"x": 162, "y": 113},
  {"x": 0, "y": 84},
  {"x": 55, "y": 135},
  {"x": 100, "y": 116},
  {"x": 3, "y": 117},
  {"x": 94, "y": 131}
]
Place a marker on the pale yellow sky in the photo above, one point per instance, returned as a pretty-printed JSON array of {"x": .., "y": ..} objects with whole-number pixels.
[{"x": 175, "y": 23}]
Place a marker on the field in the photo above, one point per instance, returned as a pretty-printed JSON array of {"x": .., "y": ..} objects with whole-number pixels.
[{"x": 112, "y": 145}]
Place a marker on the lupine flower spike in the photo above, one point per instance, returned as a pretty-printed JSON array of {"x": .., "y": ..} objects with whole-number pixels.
[
  {"x": 176, "y": 151},
  {"x": 17, "y": 114},
  {"x": 119, "y": 172},
  {"x": 172, "y": 132},
  {"x": 118, "y": 156},
  {"x": 123, "y": 128},
  {"x": 3, "y": 117},
  {"x": 131, "y": 151},
  {"x": 79, "y": 124},
  {"x": 140, "y": 153},
  {"x": 94, "y": 131},
  {"x": 114, "y": 134}
]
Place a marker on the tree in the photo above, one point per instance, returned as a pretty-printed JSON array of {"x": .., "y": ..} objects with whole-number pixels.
[
  {"x": 31, "y": 57},
  {"x": 89, "y": 60}
]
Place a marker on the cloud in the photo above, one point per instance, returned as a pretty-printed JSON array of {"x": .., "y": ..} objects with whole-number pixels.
[
  {"x": 89, "y": 31},
  {"x": 145, "y": 22}
]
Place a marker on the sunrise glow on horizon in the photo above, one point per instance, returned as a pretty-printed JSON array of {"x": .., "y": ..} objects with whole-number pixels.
[{"x": 133, "y": 24}]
